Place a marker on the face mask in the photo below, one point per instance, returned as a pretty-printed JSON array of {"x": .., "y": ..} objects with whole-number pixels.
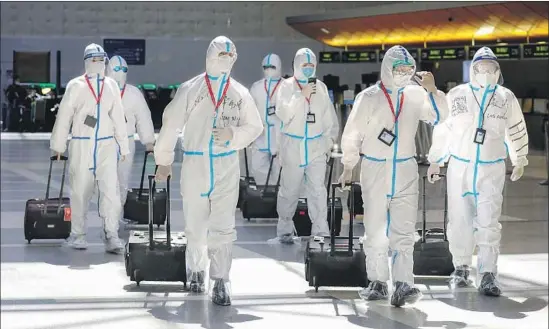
[
  {"x": 224, "y": 64},
  {"x": 485, "y": 79},
  {"x": 269, "y": 73},
  {"x": 401, "y": 80},
  {"x": 120, "y": 78},
  {"x": 308, "y": 71},
  {"x": 95, "y": 67}
]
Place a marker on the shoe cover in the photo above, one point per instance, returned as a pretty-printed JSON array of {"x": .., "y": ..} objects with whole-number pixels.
[
  {"x": 376, "y": 290},
  {"x": 197, "y": 282},
  {"x": 404, "y": 294},
  {"x": 460, "y": 277},
  {"x": 221, "y": 292},
  {"x": 284, "y": 239},
  {"x": 77, "y": 242},
  {"x": 113, "y": 245},
  {"x": 489, "y": 285}
]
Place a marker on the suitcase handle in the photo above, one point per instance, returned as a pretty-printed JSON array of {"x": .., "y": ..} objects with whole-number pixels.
[
  {"x": 151, "y": 212},
  {"x": 140, "y": 193},
  {"x": 246, "y": 164},
  {"x": 332, "y": 220},
  {"x": 424, "y": 212},
  {"x": 52, "y": 159}
]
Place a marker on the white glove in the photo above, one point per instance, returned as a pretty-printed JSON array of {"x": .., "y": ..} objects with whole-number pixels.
[
  {"x": 433, "y": 173},
  {"x": 345, "y": 178},
  {"x": 329, "y": 146},
  {"x": 427, "y": 81},
  {"x": 149, "y": 147},
  {"x": 162, "y": 173},
  {"x": 308, "y": 90},
  {"x": 222, "y": 135},
  {"x": 518, "y": 171}
]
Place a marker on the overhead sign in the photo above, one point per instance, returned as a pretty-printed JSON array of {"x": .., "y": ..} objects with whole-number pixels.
[
  {"x": 412, "y": 52},
  {"x": 132, "y": 50},
  {"x": 329, "y": 57},
  {"x": 536, "y": 51},
  {"x": 434, "y": 54},
  {"x": 359, "y": 56},
  {"x": 502, "y": 52}
]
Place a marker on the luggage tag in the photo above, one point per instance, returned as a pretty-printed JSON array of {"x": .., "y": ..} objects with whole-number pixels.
[
  {"x": 271, "y": 110},
  {"x": 311, "y": 118},
  {"x": 90, "y": 121},
  {"x": 386, "y": 137},
  {"x": 67, "y": 216},
  {"x": 480, "y": 134}
]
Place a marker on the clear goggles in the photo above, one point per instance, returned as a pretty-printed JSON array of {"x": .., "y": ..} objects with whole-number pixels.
[
  {"x": 311, "y": 65},
  {"x": 403, "y": 69},
  {"x": 265, "y": 67},
  {"x": 97, "y": 59},
  {"x": 485, "y": 67},
  {"x": 120, "y": 68},
  {"x": 225, "y": 53}
]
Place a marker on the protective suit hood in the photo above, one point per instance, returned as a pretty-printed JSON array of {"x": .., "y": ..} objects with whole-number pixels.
[
  {"x": 118, "y": 70},
  {"x": 396, "y": 55},
  {"x": 217, "y": 65},
  {"x": 94, "y": 68},
  {"x": 303, "y": 56},
  {"x": 274, "y": 60},
  {"x": 485, "y": 54}
]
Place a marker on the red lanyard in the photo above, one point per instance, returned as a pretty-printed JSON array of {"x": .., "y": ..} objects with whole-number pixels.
[
  {"x": 300, "y": 88},
  {"x": 97, "y": 98},
  {"x": 272, "y": 93},
  {"x": 210, "y": 90},
  {"x": 395, "y": 116},
  {"x": 122, "y": 93}
]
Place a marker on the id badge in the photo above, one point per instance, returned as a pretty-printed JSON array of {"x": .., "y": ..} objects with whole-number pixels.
[
  {"x": 90, "y": 121},
  {"x": 271, "y": 110},
  {"x": 386, "y": 137},
  {"x": 479, "y": 136},
  {"x": 311, "y": 118}
]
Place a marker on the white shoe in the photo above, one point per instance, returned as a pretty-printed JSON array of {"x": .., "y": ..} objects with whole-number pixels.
[
  {"x": 114, "y": 246},
  {"x": 77, "y": 242}
]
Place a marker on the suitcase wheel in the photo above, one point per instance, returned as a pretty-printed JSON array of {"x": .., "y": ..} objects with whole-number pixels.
[
  {"x": 29, "y": 241},
  {"x": 185, "y": 285},
  {"x": 137, "y": 277},
  {"x": 157, "y": 225},
  {"x": 314, "y": 284}
]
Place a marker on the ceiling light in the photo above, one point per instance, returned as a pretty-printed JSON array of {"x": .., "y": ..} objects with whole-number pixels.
[
  {"x": 324, "y": 30},
  {"x": 485, "y": 30}
]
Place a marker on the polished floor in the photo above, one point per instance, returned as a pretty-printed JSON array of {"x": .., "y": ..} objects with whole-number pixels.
[{"x": 43, "y": 280}]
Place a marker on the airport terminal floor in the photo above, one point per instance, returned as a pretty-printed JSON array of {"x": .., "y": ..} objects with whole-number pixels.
[{"x": 47, "y": 285}]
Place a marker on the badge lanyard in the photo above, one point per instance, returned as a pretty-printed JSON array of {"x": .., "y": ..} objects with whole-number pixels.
[
  {"x": 301, "y": 89},
  {"x": 122, "y": 93},
  {"x": 395, "y": 115},
  {"x": 485, "y": 109},
  {"x": 212, "y": 96},
  {"x": 98, "y": 97},
  {"x": 270, "y": 97}
]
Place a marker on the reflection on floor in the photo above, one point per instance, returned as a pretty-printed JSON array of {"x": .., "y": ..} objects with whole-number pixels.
[{"x": 44, "y": 279}]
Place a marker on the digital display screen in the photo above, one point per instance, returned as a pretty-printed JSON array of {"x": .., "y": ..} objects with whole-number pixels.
[
  {"x": 536, "y": 51},
  {"x": 132, "y": 50},
  {"x": 359, "y": 56},
  {"x": 147, "y": 86},
  {"x": 329, "y": 57},
  {"x": 412, "y": 52},
  {"x": 434, "y": 54},
  {"x": 501, "y": 52}
]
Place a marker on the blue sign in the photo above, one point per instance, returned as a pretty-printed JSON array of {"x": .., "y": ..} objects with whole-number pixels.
[{"x": 132, "y": 50}]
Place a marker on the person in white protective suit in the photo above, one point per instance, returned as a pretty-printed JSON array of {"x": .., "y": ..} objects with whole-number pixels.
[
  {"x": 485, "y": 124},
  {"x": 220, "y": 118},
  {"x": 381, "y": 130},
  {"x": 264, "y": 94},
  {"x": 138, "y": 117},
  {"x": 309, "y": 129},
  {"x": 93, "y": 108}
]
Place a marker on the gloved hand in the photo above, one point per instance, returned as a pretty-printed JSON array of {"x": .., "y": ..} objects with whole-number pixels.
[
  {"x": 222, "y": 135},
  {"x": 329, "y": 146},
  {"x": 308, "y": 90},
  {"x": 162, "y": 173},
  {"x": 345, "y": 178},
  {"x": 122, "y": 157},
  {"x": 427, "y": 81},
  {"x": 518, "y": 171},
  {"x": 433, "y": 173},
  {"x": 149, "y": 147}
]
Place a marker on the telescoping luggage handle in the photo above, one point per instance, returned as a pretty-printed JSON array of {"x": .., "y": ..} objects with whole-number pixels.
[
  {"x": 151, "y": 212},
  {"x": 332, "y": 220},
  {"x": 269, "y": 174},
  {"x": 424, "y": 212},
  {"x": 246, "y": 164},
  {"x": 52, "y": 159},
  {"x": 140, "y": 193}
]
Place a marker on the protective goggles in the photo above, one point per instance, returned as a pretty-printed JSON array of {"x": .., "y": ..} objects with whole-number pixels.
[
  {"x": 120, "y": 68},
  {"x": 404, "y": 70},
  {"x": 485, "y": 66},
  {"x": 96, "y": 57},
  {"x": 308, "y": 65},
  {"x": 265, "y": 67},
  {"x": 225, "y": 53}
]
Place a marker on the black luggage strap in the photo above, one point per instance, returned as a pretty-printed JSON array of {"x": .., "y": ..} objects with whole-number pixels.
[
  {"x": 140, "y": 193},
  {"x": 151, "y": 212},
  {"x": 332, "y": 220},
  {"x": 424, "y": 212},
  {"x": 52, "y": 159},
  {"x": 246, "y": 164}
]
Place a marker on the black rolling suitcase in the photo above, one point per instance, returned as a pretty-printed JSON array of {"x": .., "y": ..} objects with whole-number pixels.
[
  {"x": 49, "y": 218},
  {"x": 259, "y": 201},
  {"x": 357, "y": 195},
  {"x": 302, "y": 221},
  {"x": 245, "y": 181},
  {"x": 336, "y": 261},
  {"x": 156, "y": 256},
  {"x": 432, "y": 253},
  {"x": 136, "y": 206}
]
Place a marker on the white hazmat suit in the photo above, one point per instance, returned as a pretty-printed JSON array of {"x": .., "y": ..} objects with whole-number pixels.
[
  {"x": 210, "y": 169},
  {"x": 489, "y": 113},
  {"x": 138, "y": 119},
  {"x": 92, "y": 107},
  {"x": 389, "y": 173},
  {"x": 264, "y": 94},
  {"x": 309, "y": 129}
]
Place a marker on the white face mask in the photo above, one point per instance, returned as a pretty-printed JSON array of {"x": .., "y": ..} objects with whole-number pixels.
[
  {"x": 401, "y": 80},
  {"x": 485, "y": 79},
  {"x": 95, "y": 67},
  {"x": 270, "y": 73},
  {"x": 224, "y": 64},
  {"x": 120, "y": 78}
]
